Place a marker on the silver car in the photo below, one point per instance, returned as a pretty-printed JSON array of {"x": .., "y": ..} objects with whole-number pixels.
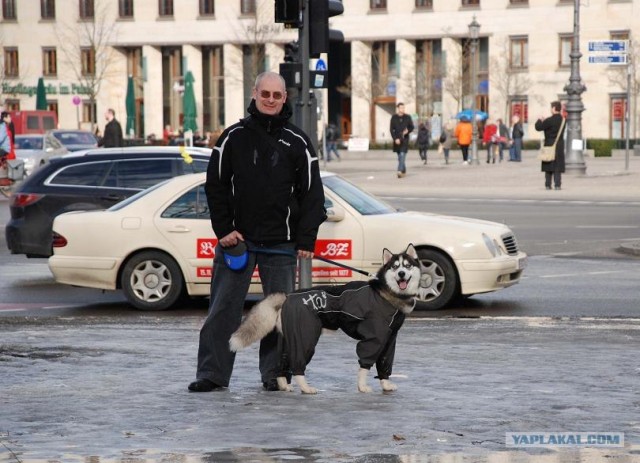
[{"x": 36, "y": 149}]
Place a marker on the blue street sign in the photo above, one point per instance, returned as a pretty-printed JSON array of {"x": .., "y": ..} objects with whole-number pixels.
[
  {"x": 608, "y": 59},
  {"x": 609, "y": 46},
  {"x": 321, "y": 65}
]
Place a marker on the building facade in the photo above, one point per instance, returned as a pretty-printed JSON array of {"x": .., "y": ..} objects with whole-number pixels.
[{"x": 418, "y": 52}]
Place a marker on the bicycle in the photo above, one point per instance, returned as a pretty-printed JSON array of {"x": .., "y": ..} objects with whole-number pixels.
[{"x": 11, "y": 172}]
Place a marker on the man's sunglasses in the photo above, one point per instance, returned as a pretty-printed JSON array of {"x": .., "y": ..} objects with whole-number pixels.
[{"x": 266, "y": 94}]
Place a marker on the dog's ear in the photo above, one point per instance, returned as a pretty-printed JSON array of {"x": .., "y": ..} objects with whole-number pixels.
[
  {"x": 386, "y": 256},
  {"x": 411, "y": 251}
]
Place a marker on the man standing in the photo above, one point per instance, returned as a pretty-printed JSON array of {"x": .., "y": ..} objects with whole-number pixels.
[
  {"x": 112, "y": 131},
  {"x": 263, "y": 188},
  {"x": 515, "y": 152},
  {"x": 553, "y": 128},
  {"x": 400, "y": 127}
]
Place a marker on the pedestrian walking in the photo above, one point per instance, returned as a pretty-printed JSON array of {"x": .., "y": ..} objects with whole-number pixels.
[
  {"x": 332, "y": 141},
  {"x": 112, "y": 131},
  {"x": 400, "y": 127},
  {"x": 264, "y": 189},
  {"x": 424, "y": 138},
  {"x": 553, "y": 128},
  {"x": 464, "y": 134},
  {"x": 446, "y": 140}
]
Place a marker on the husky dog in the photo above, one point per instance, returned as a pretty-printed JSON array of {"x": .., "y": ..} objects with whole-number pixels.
[{"x": 370, "y": 311}]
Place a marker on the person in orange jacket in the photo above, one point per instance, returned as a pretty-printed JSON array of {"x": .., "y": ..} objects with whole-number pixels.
[{"x": 464, "y": 134}]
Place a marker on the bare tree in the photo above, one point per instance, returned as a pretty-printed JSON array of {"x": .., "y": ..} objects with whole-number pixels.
[
  {"x": 506, "y": 80},
  {"x": 456, "y": 75},
  {"x": 86, "y": 48},
  {"x": 618, "y": 77}
]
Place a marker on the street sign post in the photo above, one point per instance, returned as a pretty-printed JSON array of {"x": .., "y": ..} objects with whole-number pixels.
[
  {"x": 608, "y": 59},
  {"x": 615, "y": 52},
  {"x": 608, "y": 46}
]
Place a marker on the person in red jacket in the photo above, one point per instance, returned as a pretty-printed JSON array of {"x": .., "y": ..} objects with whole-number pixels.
[{"x": 490, "y": 140}]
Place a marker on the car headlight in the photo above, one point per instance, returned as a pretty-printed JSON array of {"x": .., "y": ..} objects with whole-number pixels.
[{"x": 491, "y": 245}]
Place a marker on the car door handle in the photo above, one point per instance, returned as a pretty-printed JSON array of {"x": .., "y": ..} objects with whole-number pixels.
[{"x": 179, "y": 229}]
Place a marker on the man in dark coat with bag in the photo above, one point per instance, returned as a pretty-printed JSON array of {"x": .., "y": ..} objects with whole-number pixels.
[{"x": 553, "y": 128}]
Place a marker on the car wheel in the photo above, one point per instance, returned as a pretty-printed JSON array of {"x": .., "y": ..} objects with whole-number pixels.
[
  {"x": 152, "y": 280},
  {"x": 439, "y": 281}
]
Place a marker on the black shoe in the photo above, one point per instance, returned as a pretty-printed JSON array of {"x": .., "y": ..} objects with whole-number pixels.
[
  {"x": 204, "y": 385},
  {"x": 271, "y": 385}
]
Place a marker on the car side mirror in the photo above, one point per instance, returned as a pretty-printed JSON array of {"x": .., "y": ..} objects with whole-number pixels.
[{"x": 335, "y": 213}]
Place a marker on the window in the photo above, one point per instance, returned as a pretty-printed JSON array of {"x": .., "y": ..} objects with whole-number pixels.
[
  {"x": 248, "y": 7},
  {"x": 424, "y": 3},
  {"x": 378, "y": 4},
  {"x": 140, "y": 173},
  {"x": 11, "y": 64},
  {"x": 207, "y": 7},
  {"x": 384, "y": 69},
  {"x": 48, "y": 9},
  {"x": 566, "y": 42},
  {"x": 89, "y": 112},
  {"x": 165, "y": 7},
  {"x": 86, "y": 9},
  {"x": 213, "y": 88},
  {"x": 519, "y": 53},
  {"x": 470, "y": 2},
  {"x": 52, "y": 105},
  {"x": 88, "y": 58},
  {"x": 11, "y": 105},
  {"x": 191, "y": 205},
  {"x": 125, "y": 8},
  {"x": 619, "y": 35},
  {"x": 519, "y": 106},
  {"x": 87, "y": 174},
  {"x": 49, "y": 62},
  {"x": 9, "y": 9},
  {"x": 518, "y": 2}
]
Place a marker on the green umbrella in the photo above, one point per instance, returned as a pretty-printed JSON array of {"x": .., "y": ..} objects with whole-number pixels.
[
  {"x": 41, "y": 95},
  {"x": 130, "y": 104},
  {"x": 189, "y": 104}
]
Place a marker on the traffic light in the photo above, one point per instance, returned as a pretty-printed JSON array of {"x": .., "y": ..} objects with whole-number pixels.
[
  {"x": 292, "y": 52},
  {"x": 319, "y": 33},
  {"x": 288, "y": 12}
]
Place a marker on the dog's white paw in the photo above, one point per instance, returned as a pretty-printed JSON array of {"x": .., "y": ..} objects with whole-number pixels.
[
  {"x": 362, "y": 381},
  {"x": 364, "y": 388},
  {"x": 283, "y": 385},
  {"x": 388, "y": 386},
  {"x": 304, "y": 386}
]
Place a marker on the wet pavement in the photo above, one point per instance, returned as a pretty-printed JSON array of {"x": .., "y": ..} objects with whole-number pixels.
[
  {"x": 108, "y": 389},
  {"x": 100, "y": 390}
]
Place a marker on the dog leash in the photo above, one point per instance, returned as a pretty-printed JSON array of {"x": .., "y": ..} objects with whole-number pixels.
[{"x": 323, "y": 259}]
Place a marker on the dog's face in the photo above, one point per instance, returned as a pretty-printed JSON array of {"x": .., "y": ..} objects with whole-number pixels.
[{"x": 401, "y": 272}]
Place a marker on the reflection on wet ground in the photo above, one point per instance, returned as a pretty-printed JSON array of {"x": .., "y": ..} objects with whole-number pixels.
[{"x": 257, "y": 455}]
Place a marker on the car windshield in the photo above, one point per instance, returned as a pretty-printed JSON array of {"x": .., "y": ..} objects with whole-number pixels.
[
  {"x": 28, "y": 143},
  {"x": 76, "y": 138},
  {"x": 360, "y": 200}
]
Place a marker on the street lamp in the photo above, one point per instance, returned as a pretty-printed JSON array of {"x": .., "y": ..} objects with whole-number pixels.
[
  {"x": 474, "y": 32},
  {"x": 574, "y": 160}
]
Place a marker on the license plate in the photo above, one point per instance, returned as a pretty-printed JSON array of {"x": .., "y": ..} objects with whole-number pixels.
[{"x": 522, "y": 263}]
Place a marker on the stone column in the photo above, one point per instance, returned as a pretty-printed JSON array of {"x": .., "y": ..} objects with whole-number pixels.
[
  {"x": 152, "y": 88},
  {"x": 234, "y": 108},
  {"x": 361, "y": 89}
]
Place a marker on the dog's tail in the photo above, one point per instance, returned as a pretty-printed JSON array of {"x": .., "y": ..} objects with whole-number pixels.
[{"x": 262, "y": 319}]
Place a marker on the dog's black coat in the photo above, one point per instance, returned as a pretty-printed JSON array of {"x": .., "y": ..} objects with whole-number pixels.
[{"x": 356, "y": 308}]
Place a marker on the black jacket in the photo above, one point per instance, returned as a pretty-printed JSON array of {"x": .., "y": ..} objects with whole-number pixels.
[
  {"x": 112, "y": 135},
  {"x": 551, "y": 126},
  {"x": 269, "y": 195},
  {"x": 396, "y": 127}
]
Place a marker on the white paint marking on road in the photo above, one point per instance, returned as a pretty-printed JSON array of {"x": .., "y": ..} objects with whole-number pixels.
[{"x": 607, "y": 226}]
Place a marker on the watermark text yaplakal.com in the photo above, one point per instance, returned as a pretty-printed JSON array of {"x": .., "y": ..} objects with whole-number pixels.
[{"x": 564, "y": 439}]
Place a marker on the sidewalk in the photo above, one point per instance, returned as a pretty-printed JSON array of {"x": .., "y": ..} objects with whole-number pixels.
[{"x": 606, "y": 179}]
